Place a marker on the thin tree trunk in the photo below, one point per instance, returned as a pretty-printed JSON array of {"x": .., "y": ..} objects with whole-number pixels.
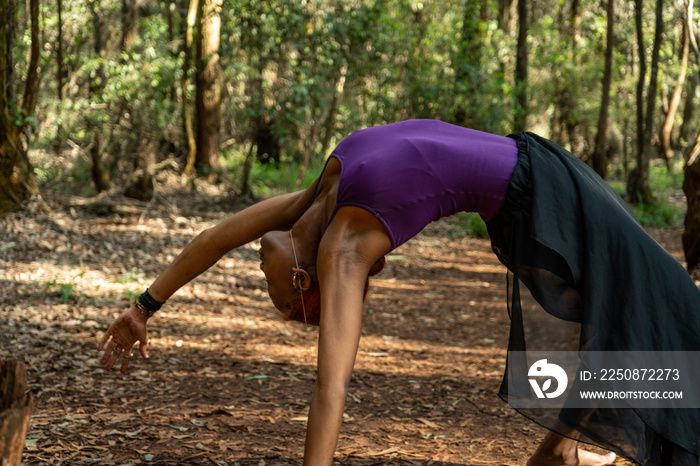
[
  {"x": 638, "y": 189},
  {"x": 329, "y": 126},
  {"x": 16, "y": 406},
  {"x": 208, "y": 85},
  {"x": 665, "y": 149},
  {"x": 31, "y": 89},
  {"x": 688, "y": 109},
  {"x": 247, "y": 167},
  {"x": 600, "y": 159},
  {"x": 468, "y": 70},
  {"x": 521, "y": 83},
  {"x": 59, "y": 51},
  {"x": 130, "y": 16},
  {"x": 100, "y": 175},
  {"x": 9, "y": 38},
  {"x": 643, "y": 188},
  {"x": 569, "y": 119},
  {"x": 31, "y": 84},
  {"x": 187, "y": 126}
]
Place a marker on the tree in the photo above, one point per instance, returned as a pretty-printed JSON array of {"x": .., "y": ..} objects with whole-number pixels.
[
  {"x": 691, "y": 181},
  {"x": 600, "y": 159},
  {"x": 130, "y": 16},
  {"x": 521, "y": 84},
  {"x": 59, "y": 50},
  {"x": 187, "y": 126},
  {"x": 569, "y": 119},
  {"x": 100, "y": 175},
  {"x": 208, "y": 96},
  {"x": 10, "y": 192},
  {"x": 665, "y": 149},
  {"x": 16, "y": 173},
  {"x": 691, "y": 188},
  {"x": 638, "y": 190},
  {"x": 468, "y": 67}
]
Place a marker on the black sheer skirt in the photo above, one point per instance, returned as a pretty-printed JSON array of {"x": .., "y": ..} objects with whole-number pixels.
[{"x": 594, "y": 280}]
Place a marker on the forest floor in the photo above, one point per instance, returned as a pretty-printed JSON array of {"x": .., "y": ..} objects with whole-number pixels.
[{"x": 228, "y": 382}]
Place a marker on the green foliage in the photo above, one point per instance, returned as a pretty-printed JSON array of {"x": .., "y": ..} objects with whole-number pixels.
[
  {"x": 64, "y": 291},
  {"x": 658, "y": 215},
  {"x": 132, "y": 276},
  {"x": 309, "y": 73},
  {"x": 468, "y": 224},
  {"x": 665, "y": 184}
]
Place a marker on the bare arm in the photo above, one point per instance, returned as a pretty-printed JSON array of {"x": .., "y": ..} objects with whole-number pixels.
[
  {"x": 277, "y": 213},
  {"x": 352, "y": 244},
  {"x": 205, "y": 250}
]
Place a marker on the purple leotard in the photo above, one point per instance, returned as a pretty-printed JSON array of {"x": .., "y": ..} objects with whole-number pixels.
[{"x": 411, "y": 173}]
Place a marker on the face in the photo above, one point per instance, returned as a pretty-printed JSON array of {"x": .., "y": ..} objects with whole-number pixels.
[{"x": 277, "y": 263}]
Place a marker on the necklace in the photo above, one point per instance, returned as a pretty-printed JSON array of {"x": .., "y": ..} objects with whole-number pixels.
[{"x": 296, "y": 276}]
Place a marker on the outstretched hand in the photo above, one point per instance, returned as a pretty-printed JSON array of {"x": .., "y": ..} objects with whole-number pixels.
[{"x": 119, "y": 339}]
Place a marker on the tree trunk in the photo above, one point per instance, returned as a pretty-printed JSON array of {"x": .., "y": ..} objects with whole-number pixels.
[
  {"x": 16, "y": 406},
  {"x": 691, "y": 181},
  {"x": 59, "y": 51},
  {"x": 638, "y": 189},
  {"x": 31, "y": 83},
  {"x": 600, "y": 159},
  {"x": 691, "y": 188},
  {"x": 688, "y": 109},
  {"x": 143, "y": 187},
  {"x": 521, "y": 85},
  {"x": 329, "y": 125},
  {"x": 31, "y": 90},
  {"x": 130, "y": 16},
  {"x": 12, "y": 192},
  {"x": 468, "y": 69},
  {"x": 208, "y": 82},
  {"x": 187, "y": 127},
  {"x": 507, "y": 15},
  {"x": 566, "y": 86},
  {"x": 247, "y": 167},
  {"x": 100, "y": 175},
  {"x": 665, "y": 149}
]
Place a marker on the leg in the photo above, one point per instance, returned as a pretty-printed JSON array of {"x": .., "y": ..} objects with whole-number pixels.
[{"x": 557, "y": 450}]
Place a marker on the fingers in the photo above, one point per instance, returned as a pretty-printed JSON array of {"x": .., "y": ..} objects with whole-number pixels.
[
  {"x": 142, "y": 349},
  {"x": 102, "y": 342},
  {"x": 112, "y": 353},
  {"x": 126, "y": 359}
]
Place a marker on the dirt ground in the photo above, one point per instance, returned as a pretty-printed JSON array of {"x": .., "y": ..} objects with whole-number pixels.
[{"x": 228, "y": 382}]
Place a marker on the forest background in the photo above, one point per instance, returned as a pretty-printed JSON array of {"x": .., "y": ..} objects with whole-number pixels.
[
  {"x": 101, "y": 96},
  {"x": 126, "y": 126}
]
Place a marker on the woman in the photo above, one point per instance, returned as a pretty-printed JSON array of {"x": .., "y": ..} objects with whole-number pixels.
[{"x": 557, "y": 227}]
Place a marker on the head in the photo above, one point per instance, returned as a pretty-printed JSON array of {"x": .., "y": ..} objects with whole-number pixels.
[
  {"x": 290, "y": 270},
  {"x": 306, "y": 305}
]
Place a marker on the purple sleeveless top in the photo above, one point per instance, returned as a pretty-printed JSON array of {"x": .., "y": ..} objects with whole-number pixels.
[{"x": 411, "y": 173}]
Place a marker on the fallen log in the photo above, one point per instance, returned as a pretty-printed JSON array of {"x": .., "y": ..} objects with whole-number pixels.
[{"x": 16, "y": 406}]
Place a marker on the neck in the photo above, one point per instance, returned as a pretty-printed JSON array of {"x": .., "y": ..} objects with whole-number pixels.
[{"x": 309, "y": 229}]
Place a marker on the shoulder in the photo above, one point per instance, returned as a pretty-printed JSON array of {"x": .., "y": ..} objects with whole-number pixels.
[{"x": 355, "y": 238}]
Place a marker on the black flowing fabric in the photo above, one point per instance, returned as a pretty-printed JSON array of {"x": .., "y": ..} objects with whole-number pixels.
[{"x": 594, "y": 280}]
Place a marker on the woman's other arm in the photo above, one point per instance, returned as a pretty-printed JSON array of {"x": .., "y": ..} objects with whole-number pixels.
[{"x": 354, "y": 241}]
